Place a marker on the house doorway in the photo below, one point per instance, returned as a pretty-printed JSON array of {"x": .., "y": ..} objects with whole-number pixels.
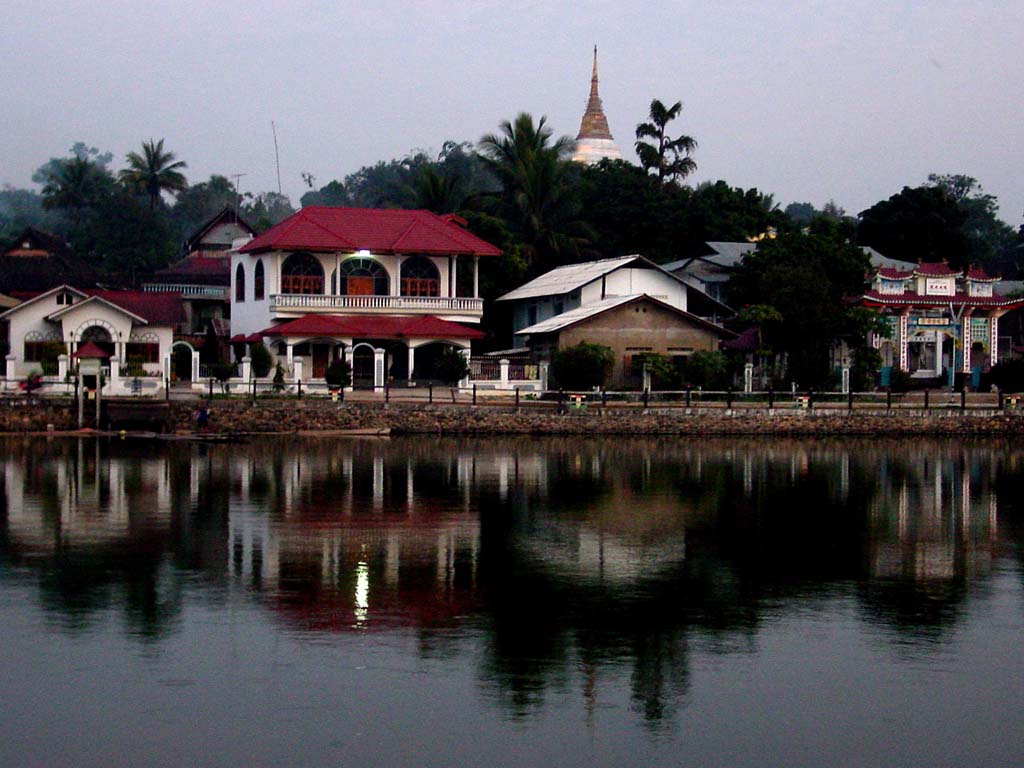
[
  {"x": 363, "y": 359},
  {"x": 321, "y": 359}
]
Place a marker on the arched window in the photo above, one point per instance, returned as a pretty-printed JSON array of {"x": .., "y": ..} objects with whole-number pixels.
[
  {"x": 302, "y": 273},
  {"x": 258, "y": 281},
  {"x": 239, "y": 284},
  {"x": 362, "y": 277},
  {"x": 420, "y": 277}
]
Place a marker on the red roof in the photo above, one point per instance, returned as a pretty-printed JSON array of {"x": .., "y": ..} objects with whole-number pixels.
[
  {"x": 374, "y": 327},
  {"x": 89, "y": 349},
  {"x": 198, "y": 267},
  {"x": 935, "y": 269},
  {"x": 979, "y": 275},
  {"x": 159, "y": 308},
  {"x": 892, "y": 273},
  {"x": 320, "y": 228},
  {"x": 874, "y": 298}
]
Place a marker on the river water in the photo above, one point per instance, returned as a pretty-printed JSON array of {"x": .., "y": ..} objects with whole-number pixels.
[{"x": 539, "y": 602}]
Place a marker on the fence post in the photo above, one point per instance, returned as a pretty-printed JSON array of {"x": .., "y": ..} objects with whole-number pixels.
[
  {"x": 728, "y": 397},
  {"x": 810, "y": 399},
  {"x": 888, "y": 398},
  {"x": 926, "y": 398},
  {"x": 999, "y": 398},
  {"x": 253, "y": 389},
  {"x": 517, "y": 398},
  {"x": 430, "y": 393},
  {"x": 963, "y": 399},
  {"x": 561, "y": 400},
  {"x": 771, "y": 397},
  {"x": 387, "y": 392},
  {"x": 167, "y": 388},
  {"x": 604, "y": 397},
  {"x": 688, "y": 390},
  {"x": 298, "y": 388},
  {"x": 474, "y": 394},
  {"x": 849, "y": 397},
  {"x": 646, "y": 396}
]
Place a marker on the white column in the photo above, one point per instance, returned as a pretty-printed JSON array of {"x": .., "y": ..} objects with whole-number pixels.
[
  {"x": 195, "y": 366},
  {"x": 62, "y": 366},
  {"x": 297, "y": 370},
  {"x": 167, "y": 367},
  {"x": 965, "y": 334},
  {"x": 246, "y": 368},
  {"x": 503, "y": 373},
  {"x": 476, "y": 277},
  {"x": 455, "y": 276},
  {"x": 11, "y": 369},
  {"x": 465, "y": 353},
  {"x": 748, "y": 377},
  {"x": 993, "y": 345},
  {"x": 543, "y": 374},
  {"x": 412, "y": 360},
  {"x": 378, "y": 368},
  {"x": 938, "y": 353},
  {"x": 291, "y": 352},
  {"x": 396, "y": 283},
  {"x": 115, "y": 374}
]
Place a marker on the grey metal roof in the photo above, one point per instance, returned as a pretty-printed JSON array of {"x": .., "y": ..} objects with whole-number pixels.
[
  {"x": 566, "y": 279},
  {"x": 878, "y": 260},
  {"x": 728, "y": 255},
  {"x": 575, "y": 315}
]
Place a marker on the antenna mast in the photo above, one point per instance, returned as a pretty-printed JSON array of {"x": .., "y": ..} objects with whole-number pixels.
[
  {"x": 238, "y": 193},
  {"x": 277, "y": 157}
]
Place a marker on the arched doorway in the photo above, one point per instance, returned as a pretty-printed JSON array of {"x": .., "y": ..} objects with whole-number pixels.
[
  {"x": 184, "y": 362},
  {"x": 99, "y": 334},
  {"x": 363, "y": 364}
]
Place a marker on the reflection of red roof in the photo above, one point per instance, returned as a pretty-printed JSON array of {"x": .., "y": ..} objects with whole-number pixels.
[
  {"x": 935, "y": 269},
  {"x": 89, "y": 349},
  {"x": 320, "y": 228},
  {"x": 159, "y": 308},
  {"x": 874, "y": 298},
  {"x": 891, "y": 273},
  {"x": 374, "y": 327}
]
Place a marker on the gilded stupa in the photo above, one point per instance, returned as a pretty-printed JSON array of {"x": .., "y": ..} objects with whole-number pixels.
[{"x": 594, "y": 142}]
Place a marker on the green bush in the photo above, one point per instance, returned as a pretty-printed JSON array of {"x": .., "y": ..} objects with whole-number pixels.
[
  {"x": 261, "y": 360},
  {"x": 583, "y": 366},
  {"x": 452, "y": 366},
  {"x": 707, "y": 370},
  {"x": 663, "y": 370},
  {"x": 278, "y": 378},
  {"x": 338, "y": 374}
]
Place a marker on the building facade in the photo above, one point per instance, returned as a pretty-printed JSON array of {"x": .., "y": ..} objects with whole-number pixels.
[{"x": 386, "y": 290}]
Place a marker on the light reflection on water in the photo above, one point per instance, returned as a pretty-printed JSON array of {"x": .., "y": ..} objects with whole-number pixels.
[{"x": 520, "y": 601}]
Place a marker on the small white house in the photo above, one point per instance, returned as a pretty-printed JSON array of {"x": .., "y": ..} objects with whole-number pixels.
[{"x": 131, "y": 326}]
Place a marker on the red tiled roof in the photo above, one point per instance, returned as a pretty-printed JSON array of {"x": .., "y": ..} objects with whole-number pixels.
[
  {"x": 320, "y": 228},
  {"x": 979, "y": 275},
  {"x": 89, "y": 349},
  {"x": 874, "y": 298},
  {"x": 935, "y": 269},
  {"x": 891, "y": 273},
  {"x": 374, "y": 327},
  {"x": 198, "y": 266},
  {"x": 159, "y": 308}
]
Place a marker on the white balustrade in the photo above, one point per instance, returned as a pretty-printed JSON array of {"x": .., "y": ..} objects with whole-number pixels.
[{"x": 388, "y": 303}]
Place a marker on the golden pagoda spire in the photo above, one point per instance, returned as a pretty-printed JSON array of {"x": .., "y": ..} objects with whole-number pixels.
[{"x": 594, "y": 124}]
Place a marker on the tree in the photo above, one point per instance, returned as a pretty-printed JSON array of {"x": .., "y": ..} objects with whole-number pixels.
[
  {"x": 452, "y": 366},
  {"x": 583, "y": 366},
  {"x": 338, "y": 374},
  {"x": 917, "y": 224},
  {"x": 805, "y": 278},
  {"x": 75, "y": 184},
  {"x": 153, "y": 172},
  {"x": 261, "y": 360},
  {"x": 536, "y": 198},
  {"x": 989, "y": 240},
  {"x": 668, "y": 158}
]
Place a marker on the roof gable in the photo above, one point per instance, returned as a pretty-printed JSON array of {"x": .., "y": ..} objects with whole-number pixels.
[
  {"x": 227, "y": 215},
  {"x": 572, "y": 276},
  {"x": 46, "y": 294}
]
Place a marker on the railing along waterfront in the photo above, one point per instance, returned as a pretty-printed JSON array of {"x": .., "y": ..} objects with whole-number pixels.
[
  {"x": 421, "y": 303},
  {"x": 186, "y": 289}
]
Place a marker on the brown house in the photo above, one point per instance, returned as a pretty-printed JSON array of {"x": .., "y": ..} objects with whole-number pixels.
[{"x": 629, "y": 325}]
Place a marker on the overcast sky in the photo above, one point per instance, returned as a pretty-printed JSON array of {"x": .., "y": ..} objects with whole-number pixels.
[{"x": 810, "y": 101}]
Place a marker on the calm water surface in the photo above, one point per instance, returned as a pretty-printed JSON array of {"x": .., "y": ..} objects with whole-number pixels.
[{"x": 531, "y": 602}]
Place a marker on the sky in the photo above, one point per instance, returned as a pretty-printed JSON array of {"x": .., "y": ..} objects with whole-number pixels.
[{"x": 810, "y": 101}]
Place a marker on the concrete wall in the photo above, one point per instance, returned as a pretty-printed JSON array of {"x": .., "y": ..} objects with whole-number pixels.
[{"x": 640, "y": 325}]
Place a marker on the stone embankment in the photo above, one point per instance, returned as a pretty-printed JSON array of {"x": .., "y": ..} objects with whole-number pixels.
[{"x": 319, "y": 416}]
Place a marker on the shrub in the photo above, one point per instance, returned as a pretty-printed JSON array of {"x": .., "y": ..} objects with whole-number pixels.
[
  {"x": 278, "y": 378},
  {"x": 261, "y": 360},
  {"x": 707, "y": 370},
  {"x": 663, "y": 371},
  {"x": 583, "y": 366},
  {"x": 338, "y": 374},
  {"x": 452, "y": 366}
]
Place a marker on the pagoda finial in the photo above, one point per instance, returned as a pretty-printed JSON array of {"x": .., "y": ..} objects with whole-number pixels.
[{"x": 594, "y": 124}]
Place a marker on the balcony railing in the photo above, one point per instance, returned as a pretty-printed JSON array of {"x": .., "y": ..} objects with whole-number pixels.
[
  {"x": 307, "y": 301},
  {"x": 185, "y": 289}
]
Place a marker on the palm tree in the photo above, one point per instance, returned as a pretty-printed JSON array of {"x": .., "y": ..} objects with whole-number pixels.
[
  {"x": 153, "y": 172},
  {"x": 74, "y": 184},
  {"x": 536, "y": 200},
  {"x": 669, "y": 157}
]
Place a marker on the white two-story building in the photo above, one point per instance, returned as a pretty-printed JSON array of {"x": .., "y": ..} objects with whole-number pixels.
[{"x": 385, "y": 289}]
